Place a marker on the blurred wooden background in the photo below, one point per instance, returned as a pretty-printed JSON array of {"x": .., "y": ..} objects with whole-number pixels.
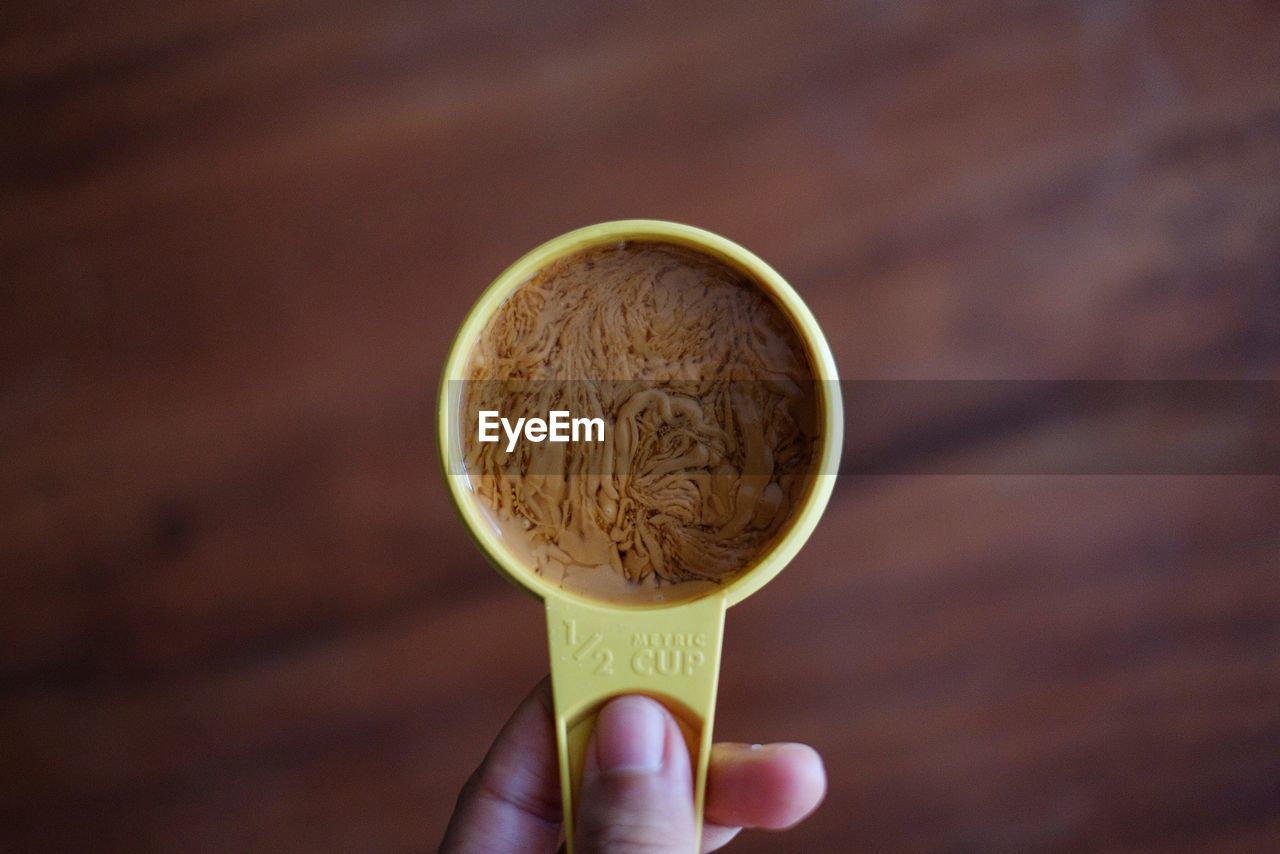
[{"x": 236, "y": 611}]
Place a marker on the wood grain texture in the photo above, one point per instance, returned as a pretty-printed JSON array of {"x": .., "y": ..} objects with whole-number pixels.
[{"x": 236, "y": 237}]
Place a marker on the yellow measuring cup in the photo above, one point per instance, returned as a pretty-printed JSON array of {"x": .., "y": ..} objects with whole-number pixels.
[{"x": 666, "y": 650}]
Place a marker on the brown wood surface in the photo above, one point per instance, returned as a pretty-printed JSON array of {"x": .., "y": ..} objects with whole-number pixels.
[{"x": 237, "y": 611}]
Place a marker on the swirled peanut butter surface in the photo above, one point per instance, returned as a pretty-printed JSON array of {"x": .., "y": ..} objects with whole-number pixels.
[{"x": 708, "y": 402}]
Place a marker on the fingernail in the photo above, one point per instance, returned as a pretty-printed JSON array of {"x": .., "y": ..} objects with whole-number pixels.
[{"x": 631, "y": 735}]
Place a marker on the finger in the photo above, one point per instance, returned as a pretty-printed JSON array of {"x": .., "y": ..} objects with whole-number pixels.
[
  {"x": 512, "y": 801},
  {"x": 715, "y": 837},
  {"x": 637, "y": 788},
  {"x": 771, "y": 786}
]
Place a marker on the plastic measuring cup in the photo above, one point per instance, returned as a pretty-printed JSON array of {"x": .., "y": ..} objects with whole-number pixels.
[{"x": 668, "y": 651}]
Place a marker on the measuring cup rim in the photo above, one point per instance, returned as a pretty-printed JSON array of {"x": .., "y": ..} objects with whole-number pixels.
[{"x": 803, "y": 520}]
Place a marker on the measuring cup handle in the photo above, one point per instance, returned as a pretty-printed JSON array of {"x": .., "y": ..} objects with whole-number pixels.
[{"x": 600, "y": 652}]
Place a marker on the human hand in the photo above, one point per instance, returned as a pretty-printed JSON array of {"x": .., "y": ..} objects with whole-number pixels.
[{"x": 637, "y": 789}]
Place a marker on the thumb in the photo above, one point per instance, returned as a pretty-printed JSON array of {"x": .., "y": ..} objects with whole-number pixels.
[{"x": 637, "y": 789}]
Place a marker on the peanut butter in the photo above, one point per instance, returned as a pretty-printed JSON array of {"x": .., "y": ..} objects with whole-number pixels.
[{"x": 708, "y": 401}]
